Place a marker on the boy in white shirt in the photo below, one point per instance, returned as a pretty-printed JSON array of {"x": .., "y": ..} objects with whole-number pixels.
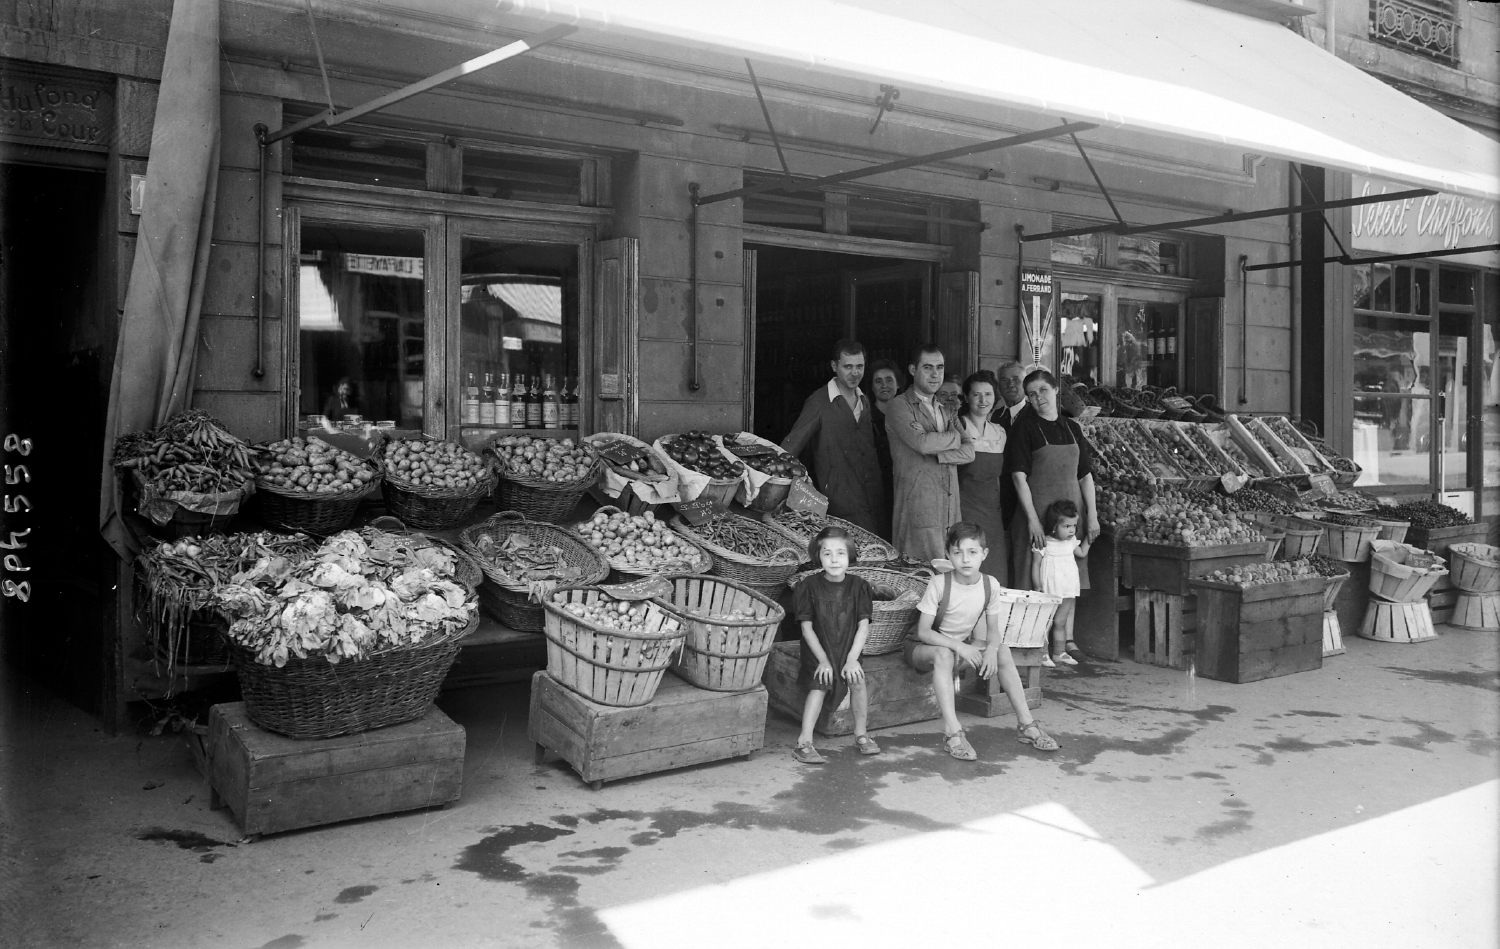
[{"x": 948, "y": 637}]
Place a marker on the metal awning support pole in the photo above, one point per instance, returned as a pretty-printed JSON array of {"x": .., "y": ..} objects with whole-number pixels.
[
  {"x": 312, "y": 26},
  {"x": 1098, "y": 181},
  {"x": 519, "y": 47},
  {"x": 1349, "y": 260},
  {"x": 1306, "y": 190},
  {"x": 769, "y": 127},
  {"x": 815, "y": 183},
  {"x": 1233, "y": 217}
]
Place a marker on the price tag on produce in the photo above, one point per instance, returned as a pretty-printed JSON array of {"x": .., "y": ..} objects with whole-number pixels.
[
  {"x": 1233, "y": 482},
  {"x": 804, "y": 497},
  {"x": 618, "y": 452},
  {"x": 1322, "y": 484},
  {"x": 750, "y": 451},
  {"x": 643, "y": 589},
  {"x": 697, "y": 512},
  {"x": 1089, "y": 411}
]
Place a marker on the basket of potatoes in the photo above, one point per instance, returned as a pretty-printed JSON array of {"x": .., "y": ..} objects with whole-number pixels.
[
  {"x": 432, "y": 485},
  {"x": 543, "y": 478},
  {"x": 308, "y": 485}
]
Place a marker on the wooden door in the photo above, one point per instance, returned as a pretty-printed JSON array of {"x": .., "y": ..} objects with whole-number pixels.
[
  {"x": 957, "y": 325},
  {"x": 616, "y": 402}
]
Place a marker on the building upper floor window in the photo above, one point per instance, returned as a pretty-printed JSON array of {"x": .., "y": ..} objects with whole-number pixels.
[{"x": 1428, "y": 27}]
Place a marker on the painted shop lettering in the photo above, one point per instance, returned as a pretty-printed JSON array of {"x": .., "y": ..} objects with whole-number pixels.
[
  {"x": 51, "y": 111},
  {"x": 1446, "y": 216}
]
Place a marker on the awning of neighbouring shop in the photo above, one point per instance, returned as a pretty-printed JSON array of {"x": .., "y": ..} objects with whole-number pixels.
[{"x": 1174, "y": 67}]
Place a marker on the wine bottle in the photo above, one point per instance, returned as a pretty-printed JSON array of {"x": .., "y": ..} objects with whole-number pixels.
[
  {"x": 502, "y": 402},
  {"x": 534, "y": 403},
  {"x": 570, "y": 403},
  {"x": 551, "y": 404},
  {"x": 471, "y": 401},
  {"x": 487, "y": 400}
]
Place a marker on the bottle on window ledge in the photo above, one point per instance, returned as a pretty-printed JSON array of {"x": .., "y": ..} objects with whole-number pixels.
[
  {"x": 551, "y": 404},
  {"x": 471, "y": 401},
  {"x": 502, "y": 402},
  {"x": 534, "y": 403},
  {"x": 487, "y": 400}
]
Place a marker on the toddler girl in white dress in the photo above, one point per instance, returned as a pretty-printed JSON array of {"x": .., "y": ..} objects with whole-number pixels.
[{"x": 1054, "y": 570}]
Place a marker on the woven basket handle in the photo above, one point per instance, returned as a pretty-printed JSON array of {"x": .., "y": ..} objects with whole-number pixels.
[
  {"x": 388, "y": 522},
  {"x": 617, "y": 668}
]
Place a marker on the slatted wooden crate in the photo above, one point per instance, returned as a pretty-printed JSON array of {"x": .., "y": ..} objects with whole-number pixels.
[
  {"x": 1171, "y": 568},
  {"x": 1333, "y": 634},
  {"x": 272, "y": 783},
  {"x": 681, "y": 726},
  {"x": 1439, "y": 539},
  {"x": 1388, "y": 622},
  {"x": 1164, "y": 626},
  {"x": 1476, "y": 611},
  {"x": 898, "y": 693},
  {"x": 1260, "y": 631}
]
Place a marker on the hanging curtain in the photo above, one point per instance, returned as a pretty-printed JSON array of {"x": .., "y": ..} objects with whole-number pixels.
[{"x": 158, "y": 342}]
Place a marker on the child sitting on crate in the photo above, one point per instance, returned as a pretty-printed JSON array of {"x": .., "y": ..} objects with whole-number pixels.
[
  {"x": 1054, "y": 569},
  {"x": 834, "y": 609},
  {"x": 958, "y": 625}
]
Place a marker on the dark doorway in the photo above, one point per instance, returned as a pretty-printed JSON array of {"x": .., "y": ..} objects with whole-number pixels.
[
  {"x": 56, "y": 350},
  {"x": 806, "y": 300}
]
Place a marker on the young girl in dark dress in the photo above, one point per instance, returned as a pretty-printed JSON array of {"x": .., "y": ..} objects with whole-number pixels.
[{"x": 833, "y": 608}]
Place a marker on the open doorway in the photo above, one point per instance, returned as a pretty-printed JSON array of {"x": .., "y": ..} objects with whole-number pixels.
[{"x": 806, "y": 300}]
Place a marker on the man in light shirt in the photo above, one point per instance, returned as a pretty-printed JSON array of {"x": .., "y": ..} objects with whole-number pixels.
[{"x": 927, "y": 446}]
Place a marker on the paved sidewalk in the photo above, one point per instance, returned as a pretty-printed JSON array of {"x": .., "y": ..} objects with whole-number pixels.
[{"x": 1353, "y": 806}]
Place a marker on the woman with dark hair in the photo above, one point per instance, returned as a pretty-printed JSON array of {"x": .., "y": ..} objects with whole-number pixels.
[
  {"x": 979, "y": 480},
  {"x": 885, "y": 382},
  {"x": 1048, "y": 460}
]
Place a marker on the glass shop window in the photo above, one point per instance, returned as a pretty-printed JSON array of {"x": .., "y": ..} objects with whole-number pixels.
[
  {"x": 1082, "y": 316},
  {"x": 492, "y": 174},
  {"x": 366, "y": 158},
  {"x": 361, "y": 327},
  {"x": 1148, "y": 255},
  {"x": 1082, "y": 250}
]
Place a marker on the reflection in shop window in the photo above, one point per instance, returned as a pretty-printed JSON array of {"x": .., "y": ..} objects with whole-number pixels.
[
  {"x": 1490, "y": 393},
  {"x": 1392, "y": 400},
  {"x": 1083, "y": 250},
  {"x": 1082, "y": 318},
  {"x": 1148, "y": 255}
]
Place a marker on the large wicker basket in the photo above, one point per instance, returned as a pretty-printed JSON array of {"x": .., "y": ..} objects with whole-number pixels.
[
  {"x": 313, "y": 698},
  {"x": 605, "y": 665},
  {"x": 702, "y": 562},
  {"x": 466, "y": 570},
  {"x": 540, "y": 500},
  {"x": 720, "y": 653},
  {"x": 1402, "y": 573},
  {"x": 767, "y": 575},
  {"x": 311, "y": 512},
  {"x": 429, "y": 508},
  {"x": 511, "y": 602},
  {"x": 872, "y": 550},
  {"x": 1474, "y": 568},
  {"x": 893, "y": 617}
]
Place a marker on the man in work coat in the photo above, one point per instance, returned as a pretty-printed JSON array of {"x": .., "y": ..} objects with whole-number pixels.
[
  {"x": 927, "y": 446},
  {"x": 836, "y": 422}
]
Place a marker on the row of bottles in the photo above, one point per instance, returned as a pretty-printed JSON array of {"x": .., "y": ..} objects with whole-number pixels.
[
  {"x": 520, "y": 401},
  {"x": 1161, "y": 349}
]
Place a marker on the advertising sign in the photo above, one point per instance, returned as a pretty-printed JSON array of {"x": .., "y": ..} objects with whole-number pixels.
[
  {"x": 1414, "y": 225},
  {"x": 1037, "y": 316}
]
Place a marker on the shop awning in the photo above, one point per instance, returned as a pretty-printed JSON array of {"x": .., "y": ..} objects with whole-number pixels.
[{"x": 1174, "y": 67}]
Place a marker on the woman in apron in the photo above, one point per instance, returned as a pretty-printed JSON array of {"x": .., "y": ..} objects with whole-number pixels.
[
  {"x": 979, "y": 481},
  {"x": 1049, "y": 460}
]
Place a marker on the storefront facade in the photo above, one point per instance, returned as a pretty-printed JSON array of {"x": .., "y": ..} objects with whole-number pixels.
[{"x": 532, "y": 227}]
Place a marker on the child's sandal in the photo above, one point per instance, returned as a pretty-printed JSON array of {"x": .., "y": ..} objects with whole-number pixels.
[
  {"x": 866, "y": 745},
  {"x": 958, "y": 746},
  {"x": 1071, "y": 648},
  {"x": 807, "y": 754},
  {"x": 1041, "y": 741}
]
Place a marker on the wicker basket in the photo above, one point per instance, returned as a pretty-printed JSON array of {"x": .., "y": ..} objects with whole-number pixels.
[
  {"x": 510, "y": 602},
  {"x": 1348, "y": 542},
  {"x": 183, "y": 522},
  {"x": 1402, "y": 573},
  {"x": 1332, "y": 588},
  {"x": 890, "y": 620},
  {"x": 703, "y": 561},
  {"x": 772, "y": 496},
  {"x": 1474, "y": 568},
  {"x": 764, "y": 575},
  {"x": 1392, "y": 530},
  {"x": 604, "y": 665},
  {"x": 313, "y": 698},
  {"x": 543, "y": 500},
  {"x": 872, "y": 550},
  {"x": 310, "y": 512},
  {"x": 432, "y": 509},
  {"x": 1148, "y": 404},
  {"x": 723, "y": 655}
]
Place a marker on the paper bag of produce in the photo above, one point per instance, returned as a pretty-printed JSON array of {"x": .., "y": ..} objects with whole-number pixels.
[
  {"x": 692, "y": 483},
  {"x": 664, "y": 490}
]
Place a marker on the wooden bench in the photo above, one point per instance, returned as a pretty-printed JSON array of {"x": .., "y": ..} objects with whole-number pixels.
[
  {"x": 898, "y": 693},
  {"x": 272, "y": 783},
  {"x": 682, "y": 725}
]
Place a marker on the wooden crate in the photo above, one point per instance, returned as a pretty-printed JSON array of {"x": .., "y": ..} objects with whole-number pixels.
[
  {"x": 1439, "y": 539},
  {"x": 1164, "y": 625},
  {"x": 1388, "y": 622},
  {"x": 1261, "y": 631},
  {"x": 898, "y": 693},
  {"x": 1441, "y": 604},
  {"x": 1476, "y": 611},
  {"x": 1170, "y": 568},
  {"x": 1333, "y": 634},
  {"x": 1096, "y": 624},
  {"x": 272, "y": 783},
  {"x": 681, "y": 726}
]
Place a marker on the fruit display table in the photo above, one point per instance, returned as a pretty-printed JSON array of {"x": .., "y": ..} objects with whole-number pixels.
[
  {"x": 272, "y": 783},
  {"x": 1165, "y": 606},
  {"x": 680, "y": 726},
  {"x": 1260, "y": 630}
]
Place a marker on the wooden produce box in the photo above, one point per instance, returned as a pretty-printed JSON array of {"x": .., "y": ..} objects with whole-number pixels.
[
  {"x": 1096, "y": 625},
  {"x": 272, "y": 783},
  {"x": 1169, "y": 567},
  {"x": 898, "y": 693},
  {"x": 682, "y": 725},
  {"x": 1261, "y": 631},
  {"x": 1439, "y": 539}
]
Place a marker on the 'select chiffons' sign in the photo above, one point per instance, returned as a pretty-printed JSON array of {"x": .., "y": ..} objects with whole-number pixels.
[{"x": 1415, "y": 225}]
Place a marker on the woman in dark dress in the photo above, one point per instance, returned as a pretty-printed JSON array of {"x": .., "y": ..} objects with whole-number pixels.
[
  {"x": 979, "y": 480},
  {"x": 885, "y": 382}
]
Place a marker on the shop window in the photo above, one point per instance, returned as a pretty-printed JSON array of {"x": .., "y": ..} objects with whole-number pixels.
[
  {"x": 1106, "y": 251},
  {"x": 1081, "y": 329},
  {"x": 360, "y": 158},
  {"x": 1148, "y": 255},
  {"x": 1426, "y": 27},
  {"x": 361, "y": 293},
  {"x": 1489, "y": 381},
  {"x": 1081, "y": 250},
  {"x": 492, "y": 174},
  {"x": 1455, "y": 286},
  {"x": 1145, "y": 343},
  {"x": 1393, "y": 288},
  {"x": 854, "y": 214},
  {"x": 1392, "y": 384}
]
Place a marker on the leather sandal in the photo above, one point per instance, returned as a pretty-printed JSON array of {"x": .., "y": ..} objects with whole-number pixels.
[
  {"x": 1071, "y": 648},
  {"x": 958, "y": 746},
  {"x": 1040, "y": 740},
  {"x": 807, "y": 754},
  {"x": 866, "y": 745}
]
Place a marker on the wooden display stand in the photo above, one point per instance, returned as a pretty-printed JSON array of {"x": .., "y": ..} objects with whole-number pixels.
[
  {"x": 1170, "y": 568},
  {"x": 272, "y": 783},
  {"x": 1476, "y": 611},
  {"x": 680, "y": 726},
  {"x": 1333, "y": 634},
  {"x": 1096, "y": 625},
  {"x": 1163, "y": 624},
  {"x": 898, "y": 693},
  {"x": 1389, "y": 622},
  {"x": 1260, "y": 631}
]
